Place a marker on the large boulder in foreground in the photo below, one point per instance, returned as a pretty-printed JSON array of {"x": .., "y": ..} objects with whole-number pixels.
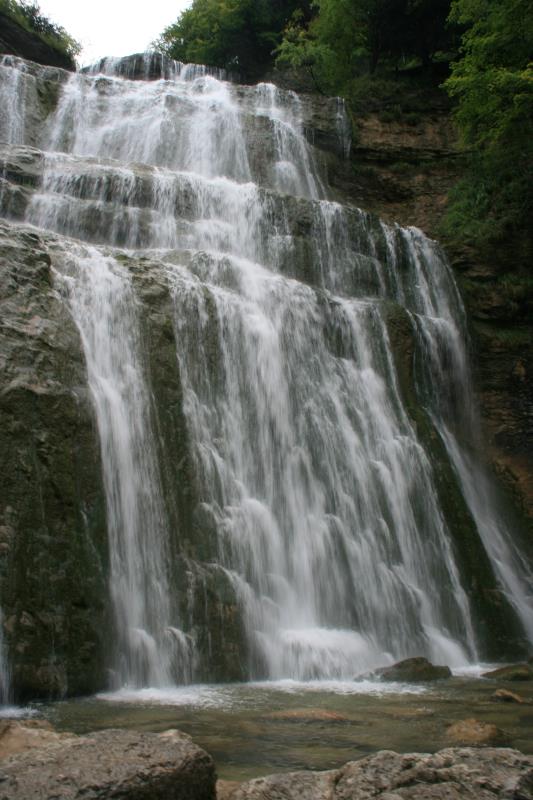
[
  {"x": 413, "y": 670},
  {"x": 452, "y": 774},
  {"x": 112, "y": 763}
]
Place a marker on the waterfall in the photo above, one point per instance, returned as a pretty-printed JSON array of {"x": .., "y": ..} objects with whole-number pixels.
[
  {"x": 104, "y": 307},
  {"x": 317, "y": 492}
]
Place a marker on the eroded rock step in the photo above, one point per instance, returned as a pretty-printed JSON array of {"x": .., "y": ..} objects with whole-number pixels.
[{"x": 322, "y": 243}]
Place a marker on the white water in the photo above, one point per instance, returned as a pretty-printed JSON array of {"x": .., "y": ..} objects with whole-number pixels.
[
  {"x": 104, "y": 309},
  {"x": 511, "y": 567},
  {"x": 241, "y": 696},
  {"x": 329, "y": 530}
]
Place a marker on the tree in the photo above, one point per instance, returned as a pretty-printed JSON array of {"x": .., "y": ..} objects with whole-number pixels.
[
  {"x": 493, "y": 84},
  {"x": 346, "y": 38},
  {"x": 424, "y": 31},
  {"x": 341, "y": 34},
  {"x": 234, "y": 34}
]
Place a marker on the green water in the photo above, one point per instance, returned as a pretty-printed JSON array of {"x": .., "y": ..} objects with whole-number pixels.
[{"x": 325, "y": 725}]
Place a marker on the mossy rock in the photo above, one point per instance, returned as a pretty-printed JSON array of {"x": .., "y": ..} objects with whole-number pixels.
[{"x": 414, "y": 670}]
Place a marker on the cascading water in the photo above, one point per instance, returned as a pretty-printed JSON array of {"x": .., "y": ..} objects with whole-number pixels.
[
  {"x": 104, "y": 308},
  {"x": 327, "y": 524}
]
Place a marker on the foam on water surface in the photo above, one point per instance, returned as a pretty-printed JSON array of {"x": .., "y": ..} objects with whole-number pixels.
[{"x": 251, "y": 694}]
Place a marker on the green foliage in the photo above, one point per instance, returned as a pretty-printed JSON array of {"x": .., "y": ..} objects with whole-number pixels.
[
  {"x": 493, "y": 84},
  {"x": 28, "y": 15},
  {"x": 234, "y": 34},
  {"x": 335, "y": 39},
  {"x": 301, "y": 47},
  {"x": 348, "y": 38}
]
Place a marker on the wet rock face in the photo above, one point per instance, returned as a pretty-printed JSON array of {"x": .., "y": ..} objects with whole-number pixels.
[
  {"x": 111, "y": 763},
  {"x": 53, "y": 549},
  {"x": 498, "y": 294},
  {"x": 451, "y": 774},
  {"x": 32, "y": 93}
]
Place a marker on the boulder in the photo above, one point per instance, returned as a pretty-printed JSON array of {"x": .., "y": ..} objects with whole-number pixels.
[
  {"x": 111, "y": 763},
  {"x": 514, "y": 672},
  {"x": 413, "y": 670},
  {"x": 451, "y": 774},
  {"x": 503, "y": 696},
  {"x": 474, "y": 732}
]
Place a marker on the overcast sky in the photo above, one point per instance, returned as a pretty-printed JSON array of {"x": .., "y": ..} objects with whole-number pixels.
[{"x": 112, "y": 27}]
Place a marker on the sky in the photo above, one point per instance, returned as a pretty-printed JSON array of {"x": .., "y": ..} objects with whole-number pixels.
[{"x": 112, "y": 27}]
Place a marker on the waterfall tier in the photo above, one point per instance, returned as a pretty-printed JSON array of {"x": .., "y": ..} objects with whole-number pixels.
[{"x": 278, "y": 387}]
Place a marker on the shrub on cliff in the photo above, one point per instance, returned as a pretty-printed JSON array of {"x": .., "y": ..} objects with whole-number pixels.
[{"x": 29, "y": 17}]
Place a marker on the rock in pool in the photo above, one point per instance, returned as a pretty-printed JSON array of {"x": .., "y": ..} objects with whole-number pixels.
[{"x": 413, "y": 670}]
